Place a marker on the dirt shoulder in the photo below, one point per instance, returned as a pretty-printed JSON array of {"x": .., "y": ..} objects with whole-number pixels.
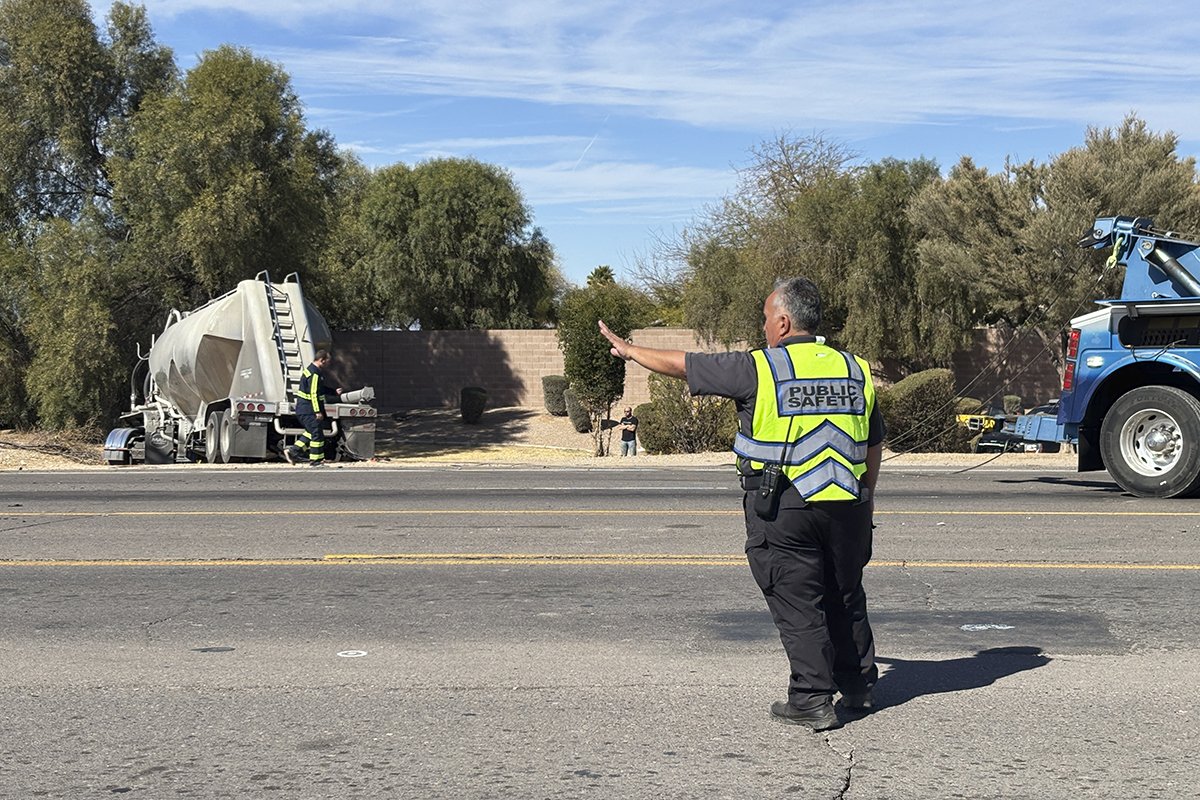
[{"x": 503, "y": 436}]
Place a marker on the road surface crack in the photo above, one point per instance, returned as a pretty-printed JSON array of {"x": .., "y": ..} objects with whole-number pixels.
[
  {"x": 929, "y": 590},
  {"x": 146, "y": 626},
  {"x": 848, "y": 757}
]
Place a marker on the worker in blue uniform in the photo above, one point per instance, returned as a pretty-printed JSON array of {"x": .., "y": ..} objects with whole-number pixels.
[
  {"x": 311, "y": 397},
  {"x": 809, "y": 449}
]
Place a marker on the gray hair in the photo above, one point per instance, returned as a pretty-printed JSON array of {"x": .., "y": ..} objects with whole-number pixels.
[{"x": 799, "y": 299}]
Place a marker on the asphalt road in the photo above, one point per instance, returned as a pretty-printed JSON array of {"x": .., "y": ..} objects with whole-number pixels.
[{"x": 527, "y": 633}]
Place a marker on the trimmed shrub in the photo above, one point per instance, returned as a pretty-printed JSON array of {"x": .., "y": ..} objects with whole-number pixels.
[
  {"x": 577, "y": 413},
  {"x": 650, "y": 430},
  {"x": 1012, "y": 404},
  {"x": 968, "y": 405},
  {"x": 920, "y": 411},
  {"x": 471, "y": 402},
  {"x": 675, "y": 422},
  {"x": 553, "y": 387}
]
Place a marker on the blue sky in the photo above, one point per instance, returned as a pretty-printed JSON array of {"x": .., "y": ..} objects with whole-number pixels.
[{"x": 622, "y": 121}]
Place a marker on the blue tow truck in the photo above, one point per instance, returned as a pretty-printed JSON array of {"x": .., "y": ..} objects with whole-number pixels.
[{"x": 1131, "y": 387}]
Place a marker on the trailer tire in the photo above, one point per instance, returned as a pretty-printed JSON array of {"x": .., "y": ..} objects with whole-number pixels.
[
  {"x": 213, "y": 452},
  {"x": 1150, "y": 440},
  {"x": 226, "y": 439}
]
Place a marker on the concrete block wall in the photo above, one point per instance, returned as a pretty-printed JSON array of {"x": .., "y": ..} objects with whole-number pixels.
[
  {"x": 428, "y": 369},
  {"x": 1001, "y": 362}
]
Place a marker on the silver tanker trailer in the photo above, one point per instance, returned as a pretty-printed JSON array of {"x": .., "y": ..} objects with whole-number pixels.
[{"x": 218, "y": 383}]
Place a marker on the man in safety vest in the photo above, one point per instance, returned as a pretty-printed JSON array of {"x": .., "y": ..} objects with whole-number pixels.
[
  {"x": 310, "y": 410},
  {"x": 809, "y": 451}
]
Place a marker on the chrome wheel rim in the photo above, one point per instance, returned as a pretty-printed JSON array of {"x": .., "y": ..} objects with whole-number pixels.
[{"x": 1151, "y": 442}]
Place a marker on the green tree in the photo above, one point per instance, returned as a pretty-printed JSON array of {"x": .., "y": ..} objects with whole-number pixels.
[
  {"x": 873, "y": 301},
  {"x": 594, "y": 374},
  {"x": 67, "y": 96},
  {"x": 15, "y": 349},
  {"x": 1000, "y": 248},
  {"x": 453, "y": 242},
  {"x": 224, "y": 179},
  {"x": 725, "y": 289},
  {"x": 601, "y": 275},
  {"x": 803, "y": 208},
  {"x": 348, "y": 284},
  {"x": 73, "y": 280},
  {"x": 734, "y": 254}
]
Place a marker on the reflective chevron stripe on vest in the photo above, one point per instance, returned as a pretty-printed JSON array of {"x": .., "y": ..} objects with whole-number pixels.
[
  {"x": 812, "y": 415},
  {"x": 307, "y": 389}
]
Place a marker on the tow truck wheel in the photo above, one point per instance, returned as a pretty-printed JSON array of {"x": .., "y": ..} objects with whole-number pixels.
[
  {"x": 213, "y": 453},
  {"x": 1150, "y": 440}
]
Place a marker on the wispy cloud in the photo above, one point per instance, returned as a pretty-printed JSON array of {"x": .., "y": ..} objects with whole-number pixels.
[
  {"x": 737, "y": 65},
  {"x": 512, "y": 148},
  {"x": 524, "y": 84},
  {"x": 656, "y": 189}
]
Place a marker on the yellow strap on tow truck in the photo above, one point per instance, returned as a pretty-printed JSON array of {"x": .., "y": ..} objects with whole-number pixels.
[{"x": 1116, "y": 251}]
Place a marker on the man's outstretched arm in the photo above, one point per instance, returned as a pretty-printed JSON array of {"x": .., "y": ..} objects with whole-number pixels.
[{"x": 664, "y": 362}]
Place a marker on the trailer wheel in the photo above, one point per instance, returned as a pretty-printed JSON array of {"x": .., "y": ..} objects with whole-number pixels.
[
  {"x": 226, "y": 437},
  {"x": 213, "y": 453},
  {"x": 1150, "y": 440}
]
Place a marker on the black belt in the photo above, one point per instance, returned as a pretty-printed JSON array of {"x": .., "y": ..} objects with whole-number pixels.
[{"x": 752, "y": 483}]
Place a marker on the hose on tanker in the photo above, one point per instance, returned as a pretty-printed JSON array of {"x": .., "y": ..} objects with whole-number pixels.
[{"x": 139, "y": 393}]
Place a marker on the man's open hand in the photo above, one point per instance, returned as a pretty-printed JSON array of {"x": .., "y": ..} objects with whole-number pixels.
[{"x": 620, "y": 347}]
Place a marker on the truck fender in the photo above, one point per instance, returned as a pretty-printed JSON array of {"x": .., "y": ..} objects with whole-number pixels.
[{"x": 1170, "y": 359}]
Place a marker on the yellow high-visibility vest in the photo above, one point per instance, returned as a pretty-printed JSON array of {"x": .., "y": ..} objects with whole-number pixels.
[{"x": 812, "y": 415}]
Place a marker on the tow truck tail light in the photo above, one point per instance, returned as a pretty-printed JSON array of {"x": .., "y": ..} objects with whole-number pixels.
[
  {"x": 1069, "y": 377},
  {"x": 1073, "y": 344}
]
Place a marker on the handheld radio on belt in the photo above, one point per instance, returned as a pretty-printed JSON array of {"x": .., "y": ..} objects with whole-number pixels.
[{"x": 766, "y": 498}]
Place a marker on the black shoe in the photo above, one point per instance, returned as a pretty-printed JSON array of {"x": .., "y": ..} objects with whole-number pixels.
[
  {"x": 858, "y": 701},
  {"x": 820, "y": 718},
  {"x": 317, "y": 463}
]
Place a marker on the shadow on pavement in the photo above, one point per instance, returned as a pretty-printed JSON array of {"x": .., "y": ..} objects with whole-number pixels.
[
  {"x": 905, "y": 680},
  {"x": 436, "y": 432},
  {"x": 1105, "y": 486}
]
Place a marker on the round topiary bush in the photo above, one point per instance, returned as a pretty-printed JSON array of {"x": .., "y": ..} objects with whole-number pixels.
[
  {"x": 920, "y": 414},
  {"x": 651, "y": 433},
  {"x": 553, "y": 387},
  {"x": 471, "y": 402}
]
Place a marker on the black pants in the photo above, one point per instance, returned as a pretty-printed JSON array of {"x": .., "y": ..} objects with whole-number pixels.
[{"x": 808, "y": 562}]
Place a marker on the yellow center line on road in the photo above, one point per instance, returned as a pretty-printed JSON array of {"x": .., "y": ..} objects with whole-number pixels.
[
  {"x": 366, "y": 512},
  {"x": 559, "y": 559},
  {"x": 615, "y": 512}
]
